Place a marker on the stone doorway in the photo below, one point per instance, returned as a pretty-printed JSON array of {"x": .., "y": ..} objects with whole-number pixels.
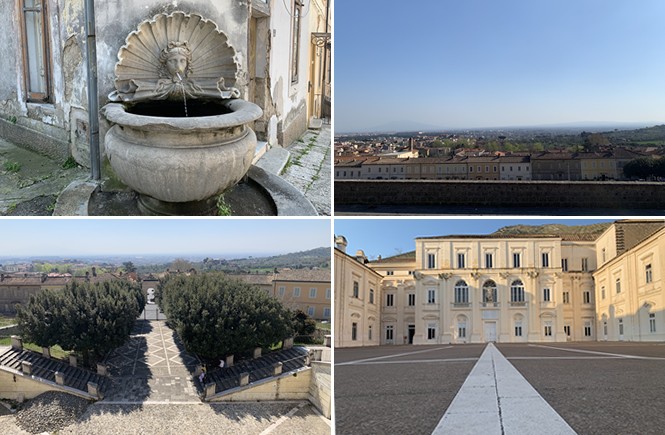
[{"x": 412, "y": 332}]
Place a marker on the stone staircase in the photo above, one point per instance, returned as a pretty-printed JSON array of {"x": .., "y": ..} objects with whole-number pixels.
[
  {"x": 46, "y": 368},
  {"x": 257, "y": 368}
]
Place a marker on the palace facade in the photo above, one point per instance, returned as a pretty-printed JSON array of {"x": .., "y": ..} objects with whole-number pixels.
[{"x": 506, "y": 288}]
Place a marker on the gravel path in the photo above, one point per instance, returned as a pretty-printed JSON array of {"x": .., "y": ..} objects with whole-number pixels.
[
  {"x": 194, "y": 419},
  {"x": 50, "y": 411}
]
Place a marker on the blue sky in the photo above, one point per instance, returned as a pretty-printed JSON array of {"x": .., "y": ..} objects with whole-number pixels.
[
  {"x": 386, "y": 236},
  {"x": 486, "y": 63},
  {"x": 68, "y": 237}
]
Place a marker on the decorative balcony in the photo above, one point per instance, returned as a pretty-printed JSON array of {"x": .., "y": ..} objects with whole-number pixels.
[
  {"x": 460, "y": 305},
  {"x": 518, "y": 304},
  {"x": 490, "y": 305}
]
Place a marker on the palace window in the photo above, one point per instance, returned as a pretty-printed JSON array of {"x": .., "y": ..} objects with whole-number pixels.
[
  {"x": 652, "y": 322},
  {"x": 312, "y": 292},
  {"x": 390, "y": 272},
  {"x": 566, "y": 297},
  {"x": 389, "y": 332},
  {"x": 356, "y": 289},
  {"x": 587, "y": 329},
  {"x": 431, "y": 296},
  {"x": 649, "y": 276},
  {"x": 460, "y": 261},
  {"x": 461, "y": 329},
  {"x": 431, "y": 261},
  {"x": 412, "y": 299},
  {"x": 310, "y": 311},
  {"x": 371, "y": 296},
  {"x": 566, "y": 329},
  {"x": 620, "y": 326},
  {"x": 328, "y": 293},
  {"x": 295, "y": 54},
  {"x": 564, "y": 264},
  {"x": 488, "y": 260},
  {"x": 517, "y": 291},
  {"x": 585, "y": 264},
  {"x": 369, "y": 332},
  {"x": 431, "y": 331},
  {"x": 281, "y": 290},
  {"x": 548, "y": 329},
  {"x": 546, "y": 259},
  {"x": 354, "y": 331},
  {"x": 296, "y": 292},
  {"x": 602, "y": 292},
  {"x": 586, "y": 297},
  {"x": 461, "y": 293},
  {"x": 605, "y": 329},
  {"x": 390, "y": 300},
  {"x": 518, "y": 329},
  {"x": 470, "y": 168},
  {"x": 546, "y": 295},
  {"x": 326, "y": 313},
  {"x": 618, "y": 285},
  {"x": 36, "y": 50},
  {"x": 516, "y": 259},
  {"x": 603, "y": 255}
]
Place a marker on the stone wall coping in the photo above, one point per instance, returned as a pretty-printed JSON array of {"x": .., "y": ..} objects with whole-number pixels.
[
  {"x": 254, "y": 384},
  {"x": 50, "y": 384}
]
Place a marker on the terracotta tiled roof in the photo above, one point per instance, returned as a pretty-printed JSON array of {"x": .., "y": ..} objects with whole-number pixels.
[
  {"x": 407, "y": 256},
  {"x": 255, "y": 279},
  {"x": 318, "y": 275}
]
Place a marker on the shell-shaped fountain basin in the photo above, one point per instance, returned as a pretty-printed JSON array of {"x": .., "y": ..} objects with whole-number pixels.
[{"x": 181, "y": 159}]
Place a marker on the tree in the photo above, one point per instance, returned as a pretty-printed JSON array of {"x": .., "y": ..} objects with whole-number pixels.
[
  {"x": 303, "y": 324},
  {"x": 181, "y": 264},
  {"x": 83, "y": 317},
  {"x": 595, "y": 139},
  {"x": 538, "y": 147},
  {"x": 129, "y": 266},
  {"x": 437, "y": 143},
  {"x": 214, "y": 315}
]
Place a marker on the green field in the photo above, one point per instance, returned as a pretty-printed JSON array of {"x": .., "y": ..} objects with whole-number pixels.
[
  {"x": 5, "y": 321},
  {"x": 323, "y": 325},
  {"x": 56, "y": 351}
]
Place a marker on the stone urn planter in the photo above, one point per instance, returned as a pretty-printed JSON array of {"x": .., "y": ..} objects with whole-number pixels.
[{"x": 180, "y": 134}]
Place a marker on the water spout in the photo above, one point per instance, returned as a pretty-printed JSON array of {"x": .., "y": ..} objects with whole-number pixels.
[{"x": 183, "y": 93}]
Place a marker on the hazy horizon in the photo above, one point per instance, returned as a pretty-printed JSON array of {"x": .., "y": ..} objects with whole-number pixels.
[
  {"x": 160, "y": 237},
  {"x": 482, "y": 64}
]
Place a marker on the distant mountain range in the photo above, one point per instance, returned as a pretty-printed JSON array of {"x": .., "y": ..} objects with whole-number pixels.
[{"x": 593, "y": 126}]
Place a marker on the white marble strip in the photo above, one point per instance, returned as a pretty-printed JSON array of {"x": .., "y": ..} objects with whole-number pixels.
[
  {"x": 496, "y": 399},
  {"x": 391, "y": 356},
  {"x": 599, "y": 353}
]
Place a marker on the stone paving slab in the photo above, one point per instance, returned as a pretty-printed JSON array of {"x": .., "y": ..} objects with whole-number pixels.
[{"x": 310, "y": 168}]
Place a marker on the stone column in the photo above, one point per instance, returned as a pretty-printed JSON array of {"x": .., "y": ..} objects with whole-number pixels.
[
  {"x": 72, "y": 360},
  {"x": 229, "y": 360},
  {"x": 244, "y": 379},
  {"x": 17, "y": 342},
  {"x": 210, "y": 390},
  {"x": 101, "y": 370},
  {"x": 558, "y": 300},
  {"x": 534, "y": 309},
  {"x": 46, "y": 352},
  {"x": 93, "y": 389},
  {"x": 277, "y": 369},
  {"x": 476, "y": 315},
  {"x": 287, "y": 343},
  {"x": 504, "y": 300},
  {"x": 420, "y": 300},
  {"x": 445, "y": 298},
  {"x": 400, "y": 302},
  {"x": 257, "y": 352},
  {"x": 59, "y": 378}
]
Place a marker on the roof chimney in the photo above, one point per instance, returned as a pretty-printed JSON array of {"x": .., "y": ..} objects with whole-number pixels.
[
  {"x": 44, "y": 277},
  {"x": 361, "y": 257},
  {"x": 94, "y": 271},
  {"x": 341, "y": 243}
]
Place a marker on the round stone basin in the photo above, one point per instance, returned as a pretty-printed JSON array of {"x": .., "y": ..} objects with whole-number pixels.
[{"x": 178, "y": 162}]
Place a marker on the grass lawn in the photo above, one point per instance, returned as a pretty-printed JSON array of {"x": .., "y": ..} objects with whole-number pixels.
[
  {"x": 323, "y": 325},
  {"x": 5, "y": 321},
  {"x": 56, "y": 351}
]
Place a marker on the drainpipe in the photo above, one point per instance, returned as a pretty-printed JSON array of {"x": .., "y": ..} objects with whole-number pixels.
[
  {"x": 93, "y": 103},
  {"x": 325, "y": 61}
]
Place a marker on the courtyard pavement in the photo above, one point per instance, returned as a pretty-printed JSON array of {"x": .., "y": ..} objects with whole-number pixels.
[
  {"x": 152, "y": 367},
  {"x": 309, "y": 169},
  {"x": 585, "y": 388}
]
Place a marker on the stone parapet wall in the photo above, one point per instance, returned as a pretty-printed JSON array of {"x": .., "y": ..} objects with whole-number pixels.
[
  {"x": 8, "y": 331},
  {"x": 320, "y": 387},
  {"x": 552, "y": 194},
  {"x": 290, "y": 386}
]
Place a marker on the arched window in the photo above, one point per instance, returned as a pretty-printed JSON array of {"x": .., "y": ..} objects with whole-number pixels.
[
  {"x": 461, "y": 293},
  {"x": 517, "y": 291},
  {"x": 489, "y": 291}
]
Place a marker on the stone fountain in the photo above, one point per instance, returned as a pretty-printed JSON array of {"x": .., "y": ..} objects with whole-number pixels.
[{"x": 180, "y": 134}]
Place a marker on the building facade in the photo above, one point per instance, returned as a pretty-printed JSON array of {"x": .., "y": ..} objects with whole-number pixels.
[
  {"x": 517, "y": 288},
  {"x": 306, "y": 290}
]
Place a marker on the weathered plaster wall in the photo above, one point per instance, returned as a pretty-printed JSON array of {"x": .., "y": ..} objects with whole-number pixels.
[
  {"x": 561, "y": 194},
  {"x": 289, "y": 99},
  {"x": 44, "y": 127},
  {"x": 12, "y": 385},
  {"x": 116, "y": 19}
]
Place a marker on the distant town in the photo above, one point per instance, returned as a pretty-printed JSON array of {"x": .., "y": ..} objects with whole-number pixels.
[{"x": 502, "y": 155}]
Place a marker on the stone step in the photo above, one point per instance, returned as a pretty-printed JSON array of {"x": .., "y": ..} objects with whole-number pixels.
[
  {"x": 315, "y": 124},
  {"x": 274, "y": 160}
]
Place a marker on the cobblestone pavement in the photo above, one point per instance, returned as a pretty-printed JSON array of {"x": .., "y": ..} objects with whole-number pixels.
[
  {"x": 310, "y": 169},
  {"x": 190, "y": 419},
  {"x": 152, "y": 367}
]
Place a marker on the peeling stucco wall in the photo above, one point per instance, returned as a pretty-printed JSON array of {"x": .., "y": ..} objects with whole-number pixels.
[{"x": 116, "y": 19}]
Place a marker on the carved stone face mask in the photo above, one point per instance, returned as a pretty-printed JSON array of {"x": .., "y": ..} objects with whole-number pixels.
[{"x": 176, "y": 64}]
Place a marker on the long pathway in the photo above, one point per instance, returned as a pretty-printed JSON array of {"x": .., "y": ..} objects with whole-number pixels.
[{"x": 152, "y": 367}]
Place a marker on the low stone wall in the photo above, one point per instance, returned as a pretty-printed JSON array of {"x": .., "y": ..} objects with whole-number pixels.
[
  {"x": 290, "y": 386},
  {"x": 51, "y": 142},
  {"x": 8, "y": 331},
  {"x": 320, "y": 387},
  {"x": 553, "y": 194}
]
